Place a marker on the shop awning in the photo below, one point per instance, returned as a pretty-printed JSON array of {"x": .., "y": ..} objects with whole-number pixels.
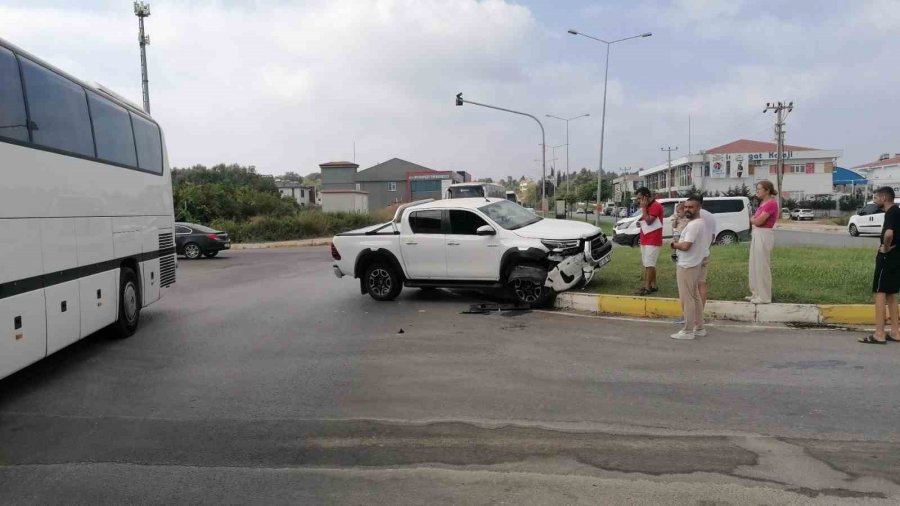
[{"x": 846, "y": 176}]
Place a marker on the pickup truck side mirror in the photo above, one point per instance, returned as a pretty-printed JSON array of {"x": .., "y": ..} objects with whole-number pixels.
[{"x": 486, "y": 230}]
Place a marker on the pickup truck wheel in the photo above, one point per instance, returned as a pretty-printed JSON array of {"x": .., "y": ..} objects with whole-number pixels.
[
  {"x": 382, "y": 282},
  {"x": 531, "y": 293}
]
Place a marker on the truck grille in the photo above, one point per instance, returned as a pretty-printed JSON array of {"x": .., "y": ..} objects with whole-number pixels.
[
  {"x": 166, "y": 259},
  {"x": 599, "y": 246}
]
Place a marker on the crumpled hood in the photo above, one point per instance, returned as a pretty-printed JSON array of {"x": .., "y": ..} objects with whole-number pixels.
[{"x": 558, "y": 229}]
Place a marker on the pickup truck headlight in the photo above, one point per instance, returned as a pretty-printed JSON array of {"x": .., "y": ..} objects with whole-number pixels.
[{"x": 561, "y": 246}]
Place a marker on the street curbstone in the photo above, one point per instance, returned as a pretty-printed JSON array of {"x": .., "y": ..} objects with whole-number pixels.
[
  {"x": 848, "y": 314},
  {"x": 622, "y": 305},
  {"x": 300, "y": 243},
  {"x": 577, "y": 301},
  {"x": 657, "y": 307},
  {"x": 787, "y": 313},
  {"x": 730, "y": 310}
]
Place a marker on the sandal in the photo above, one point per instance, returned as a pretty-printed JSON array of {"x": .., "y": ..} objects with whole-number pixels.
[
  {"x": 887, "y": 337},
  {"x": 654, "y": 289},
  {"x": 643, "y": 292},
  {"x": 871, "y": 340}
]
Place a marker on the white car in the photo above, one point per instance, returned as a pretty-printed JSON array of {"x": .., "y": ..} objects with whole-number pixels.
[
  {"x": 472, "y": 243},
  {"x": 732, "y": 220},
  {"x": 867, "y": 220},
  {"x": 802, "y": 214}
]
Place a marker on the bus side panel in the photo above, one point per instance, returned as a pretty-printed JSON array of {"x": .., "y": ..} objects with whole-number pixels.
[
  {"x": 157, "y": 236},
  {"x": 26, "y": 344},
  {"x": 99, "y": 292},
  {"x": 63, "y": 307},
  {"x": 23, "y": 326},
  {"x": 127, "y": 243}
]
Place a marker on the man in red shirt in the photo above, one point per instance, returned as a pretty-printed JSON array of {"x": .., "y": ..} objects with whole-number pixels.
[{"x": 651, "y": 237}]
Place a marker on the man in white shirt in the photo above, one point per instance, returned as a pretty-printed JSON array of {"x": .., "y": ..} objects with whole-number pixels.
[{"x": 692, "y": 247}]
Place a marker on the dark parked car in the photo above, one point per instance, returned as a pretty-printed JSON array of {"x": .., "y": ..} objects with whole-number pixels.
[{"x": 194, "y": 240}]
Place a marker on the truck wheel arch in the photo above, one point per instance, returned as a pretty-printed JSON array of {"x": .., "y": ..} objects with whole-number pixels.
[
  {"x": 516, "y": 256},
  {"x": 368, "y": 256}
]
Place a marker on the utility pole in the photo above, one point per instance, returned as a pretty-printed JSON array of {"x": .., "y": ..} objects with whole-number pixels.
[
  {"x": 779, "y": 109},
  {"x": 142, "y": 10},
  {"x": 668, "y": 151}
]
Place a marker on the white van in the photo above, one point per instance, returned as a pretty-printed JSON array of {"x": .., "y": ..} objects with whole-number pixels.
[
  {"x": 732, "y": 220},
  {"x": 867, "y": 220}
]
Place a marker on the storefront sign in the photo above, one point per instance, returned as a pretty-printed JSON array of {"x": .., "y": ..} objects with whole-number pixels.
[
  {"x": 771, "y": 155},
  {"x": 717, "y": 170},
  {"x": 420, "y": 177}
]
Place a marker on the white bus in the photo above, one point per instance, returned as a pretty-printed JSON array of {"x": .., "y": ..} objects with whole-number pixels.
[
  {"x": 86, "y": 216},
  {"x": 476, "y": 189}
]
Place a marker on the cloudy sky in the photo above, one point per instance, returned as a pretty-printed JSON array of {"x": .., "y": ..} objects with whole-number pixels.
[{"x": 286, "y": 85}]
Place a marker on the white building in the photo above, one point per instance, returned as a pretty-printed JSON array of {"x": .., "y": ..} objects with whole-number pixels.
[
  {"x": 302, "y": 194},
  {"x": 345, "y": 201},
  {"x": 883, "y": 172},
  {"x": 806, "y": 171},
  {"x": 624, "y": 187}
]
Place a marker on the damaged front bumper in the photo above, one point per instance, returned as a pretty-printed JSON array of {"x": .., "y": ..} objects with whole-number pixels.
[{"x": 579, "y": 269}]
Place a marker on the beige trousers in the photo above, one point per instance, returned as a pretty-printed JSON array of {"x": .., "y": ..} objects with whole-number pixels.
[
  {"x": 761, "y": 264},
  {"x": 689, "y": 293}
]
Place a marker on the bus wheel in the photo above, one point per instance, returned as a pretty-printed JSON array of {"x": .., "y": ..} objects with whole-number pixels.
[{"x": 129, "y": 304}]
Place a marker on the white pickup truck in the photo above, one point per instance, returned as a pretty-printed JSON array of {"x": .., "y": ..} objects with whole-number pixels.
[{"x": 472, "y": 243}]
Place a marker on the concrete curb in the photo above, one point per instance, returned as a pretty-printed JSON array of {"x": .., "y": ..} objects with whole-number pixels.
[
  {"x": 284, "y": 244},
  {"x": 656, "y": 307}
]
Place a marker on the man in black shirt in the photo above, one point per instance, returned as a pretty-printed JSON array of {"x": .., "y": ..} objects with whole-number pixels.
[{"x": 887, "y": 269}]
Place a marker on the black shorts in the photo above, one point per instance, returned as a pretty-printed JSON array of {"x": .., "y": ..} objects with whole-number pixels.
[{"x": 887, "y": 273}]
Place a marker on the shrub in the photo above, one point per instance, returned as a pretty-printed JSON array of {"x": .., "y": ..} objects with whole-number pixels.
[{"x": 302, "y": 225}]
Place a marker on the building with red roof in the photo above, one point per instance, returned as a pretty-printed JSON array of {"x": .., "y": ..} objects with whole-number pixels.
[{"x": 805, "y": 172}]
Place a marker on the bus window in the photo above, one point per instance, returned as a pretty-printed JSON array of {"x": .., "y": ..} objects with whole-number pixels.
[
  {"x": 58, "y": 109},
  {"x": 12, "y": 102},
  {"x": 149, "y": 147},
  {"x": 112, "y": 130}
]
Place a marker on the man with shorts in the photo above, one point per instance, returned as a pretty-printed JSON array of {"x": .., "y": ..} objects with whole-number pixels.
[
  {"x": 886, "y": 283},
  {"x": 651, "y": 242}
]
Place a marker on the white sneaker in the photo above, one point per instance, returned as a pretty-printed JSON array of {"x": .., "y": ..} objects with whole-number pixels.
[
  {"x": 682, "y": 335},
  {"x": 700, "y": 332}
]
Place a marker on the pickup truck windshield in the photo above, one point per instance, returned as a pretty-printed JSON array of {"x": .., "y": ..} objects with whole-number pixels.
[{"x": 508, "y": 215}]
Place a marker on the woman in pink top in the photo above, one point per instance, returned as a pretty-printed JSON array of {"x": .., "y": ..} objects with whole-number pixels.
[{"x": 763, "y": 241}]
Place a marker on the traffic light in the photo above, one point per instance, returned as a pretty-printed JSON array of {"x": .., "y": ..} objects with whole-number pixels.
[{"x": 459, "y": 100}]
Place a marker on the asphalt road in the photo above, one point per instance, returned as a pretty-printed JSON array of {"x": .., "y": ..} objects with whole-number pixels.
[{"x": 260, "y": 378}]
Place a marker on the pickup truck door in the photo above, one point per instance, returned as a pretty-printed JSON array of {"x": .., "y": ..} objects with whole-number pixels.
[
  {"x": 471, "y": 256},
  {"x": 424, "y": 249}
]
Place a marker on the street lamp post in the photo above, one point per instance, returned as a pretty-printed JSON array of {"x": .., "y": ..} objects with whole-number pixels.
[
  {"x": 567, "y": 120},
  {"x": 460, "y": 101},
  {"x": 603, "y": 117}
]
